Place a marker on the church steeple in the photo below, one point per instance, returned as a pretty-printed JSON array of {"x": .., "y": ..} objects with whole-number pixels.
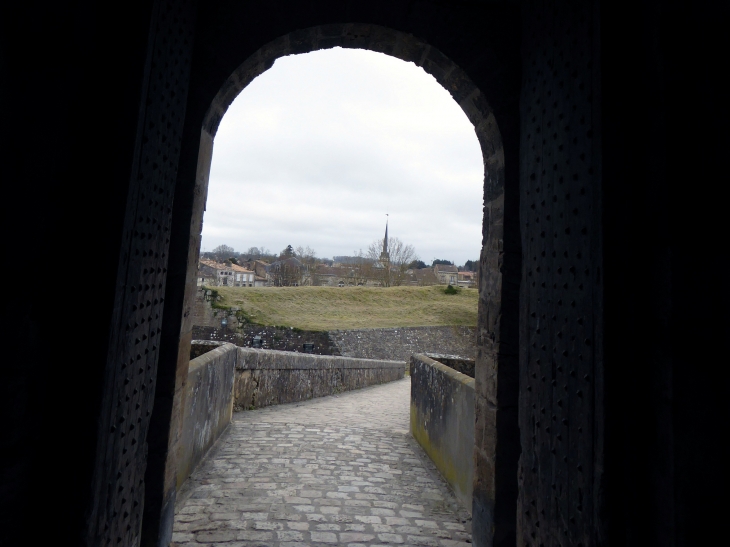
[{"x": 385, "y": 255}]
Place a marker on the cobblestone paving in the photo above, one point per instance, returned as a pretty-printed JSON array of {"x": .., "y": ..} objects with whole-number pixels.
[{"x": 336, "y": 470}]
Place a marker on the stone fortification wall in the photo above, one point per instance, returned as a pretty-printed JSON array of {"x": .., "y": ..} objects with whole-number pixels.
[
  {"x": 396, "y": 344},
  {"x": 266, "y": 377},
  {"x": 278, "y": 338},
  {"x": 399, "y": 344},
  {"x": 208, "y": 406},
  {"x": 442, "y": 421},
  {"x": 204, "y": 315}
]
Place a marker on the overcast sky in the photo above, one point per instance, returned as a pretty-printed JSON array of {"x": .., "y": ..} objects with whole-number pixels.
[{"x": 320, "y": 147}]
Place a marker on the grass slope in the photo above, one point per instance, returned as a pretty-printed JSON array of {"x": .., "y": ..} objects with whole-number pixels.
[{"x": 331, "y": 308}]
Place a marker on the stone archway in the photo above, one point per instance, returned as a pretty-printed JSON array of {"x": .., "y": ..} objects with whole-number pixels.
[{"x": 495, "y": 488}]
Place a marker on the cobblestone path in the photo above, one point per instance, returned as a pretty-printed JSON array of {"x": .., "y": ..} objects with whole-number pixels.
[{"x": 336, "y": 470}]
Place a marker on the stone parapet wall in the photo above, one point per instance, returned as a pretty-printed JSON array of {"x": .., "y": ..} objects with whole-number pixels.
[
  {"x": 442, "y": 421},
  {"x": 459, "y": 364},
  {"x": 267, "y": 377},
  {"x": 208, "y": 406},
  {"x": 400, "y": 343}
]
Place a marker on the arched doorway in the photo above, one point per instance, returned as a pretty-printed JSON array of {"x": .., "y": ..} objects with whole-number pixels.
[{"x": 497, "y": 439}]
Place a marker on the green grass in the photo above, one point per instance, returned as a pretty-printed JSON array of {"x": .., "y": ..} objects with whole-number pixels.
[{"x": 331, "y": 308}]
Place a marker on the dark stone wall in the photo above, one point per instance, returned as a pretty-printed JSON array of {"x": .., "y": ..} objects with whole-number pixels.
[
  {"x": 442, "y": 421},
  {"x": 397, "y": 344},
  {"x": 267, "y": 377},
  {"x": 276, "y": 338}
]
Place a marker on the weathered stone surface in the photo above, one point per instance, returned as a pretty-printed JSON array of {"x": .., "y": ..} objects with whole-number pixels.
[
  {"x": 399, "y": 344},
  {"x": 265, "y": 377},
  {"x": 442, "y": 421},
  {"x": 272, "y": 337},
  {"x": 339, "y": 470},
  {"x": 226, "y": 374},
  {"x": 208, "y": 406}
]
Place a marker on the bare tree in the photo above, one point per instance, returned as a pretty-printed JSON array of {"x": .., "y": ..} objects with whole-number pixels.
[
  {"x": 308, "y": 257},
  {"x": 223, "y": 249},
  {"x": 223, "y": 252},
  {"x": 362, "y": 269},
  {"x": 305, "y": 254},
  {"x": 390, "y": 268},
  {"x": 286, "y": 272}
]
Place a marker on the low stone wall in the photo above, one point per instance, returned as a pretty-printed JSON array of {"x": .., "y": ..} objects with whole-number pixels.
[
  {"x": 442, "y": 421},
  {"x": 208, "y": 406},
  {"x": 459, "y": 364},
  {"x": 267, "y": 377},
  {"x": 400, "y": 343}
]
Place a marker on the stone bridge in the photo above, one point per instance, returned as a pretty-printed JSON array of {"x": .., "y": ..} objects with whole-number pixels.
[
  {"x": 228, "y": 377},
  {"x": 313, "y": 459}
]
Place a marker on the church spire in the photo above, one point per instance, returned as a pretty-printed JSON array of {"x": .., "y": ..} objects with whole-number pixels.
[{"x": 385, "y": 256}]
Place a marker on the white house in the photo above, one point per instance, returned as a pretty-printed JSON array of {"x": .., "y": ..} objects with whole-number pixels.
[
  {"x": 242, "y": 277},
  {"x": 224, "y": 275}
]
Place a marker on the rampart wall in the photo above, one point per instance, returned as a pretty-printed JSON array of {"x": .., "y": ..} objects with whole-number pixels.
[
  {"x": 396, "y": 344},
  {"x": 400, "y": 343}
]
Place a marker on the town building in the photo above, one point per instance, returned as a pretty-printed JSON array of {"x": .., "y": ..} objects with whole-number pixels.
[
  {"x": 467, "y": 279},
  {"x": 212, "y": 273},
  {"x": 422, "y": 277},
  {"x": 446, "y": 274}
]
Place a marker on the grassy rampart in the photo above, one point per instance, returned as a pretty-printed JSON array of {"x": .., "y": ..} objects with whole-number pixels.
[{"x": 329, "y": 308}]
